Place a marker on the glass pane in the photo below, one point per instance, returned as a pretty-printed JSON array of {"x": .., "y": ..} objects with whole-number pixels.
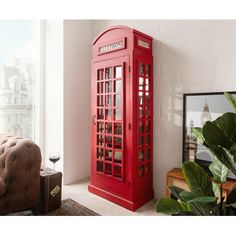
[
  {"x": 141, "y": 69},
  {"x": 100, "y": 74},
  {"x": 108, "y": 168},
  {"x": 117, "y": 157},
  {"x": 108, "y": 87},
  {"x": 141, "y": 141},
  {"x": 118, "y": 72},
  {"x": 141, "y": 80},
  {"x": 118, "y": 86},
  {"x": 109, "y": 73},
  {"x": 100, "y": 101},
  {"x": 100, "y": 153},
  {"x": 141, "y": 112},
  {"x": 147, "y": 112},
  {"x": 118, "y": 143},
  {"x": 117, "y": 171},
  {"x": 147, "y": 70},
  {"x": 100, "y": 127},
  {"x": 108, "y": 141},
  {"x": 147, "y": 126},
  {"x": 108, "y": 100},
  {"x": 140, "y": 87},
  {"x": 147, "y": 97},
  {"x": 140, "y": 95},
  {"x": 147, "y": 154},
  {"x": 108, "y": 128},
  {"x": 108, "y": 114},
  {"x": 99, "y": 140},
  {"x": 99, "y": 166},
  {"x": 141, "y": 127},
  {"x": 117, "y": 100},
  {"x": 141, "y": 171},
  {"x": 100, "y": 114},
  {"x": 108, "y": 155},
  {"x": 100, "y": 87},
  {"x": 147, "y": 169},
  {"x": 147, "y": 87},
  {"x": 147, "y": 139},
  {"x": 118, "y": 129},
  {"x": 147, "y": 104},
  {"x": 141, "y": 155},
  {"x": 118, "y": 114}
]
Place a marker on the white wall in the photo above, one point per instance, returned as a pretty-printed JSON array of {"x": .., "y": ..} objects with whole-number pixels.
[
  {"x": 53, "y": 133},
  {"x": 189, "y": 56},
  {"x": 77, "y": 87},
  {"x": 67, "y": 96}
]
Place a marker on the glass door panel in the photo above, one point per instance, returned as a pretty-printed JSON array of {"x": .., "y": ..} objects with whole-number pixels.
[
  {"x": 118, "y": 86},
  {"x": 118, "y": 72},
  {"x": 144, "y": 108},
  {"x": 108, "y": 73},
  {"x": 109, "y": 126}
]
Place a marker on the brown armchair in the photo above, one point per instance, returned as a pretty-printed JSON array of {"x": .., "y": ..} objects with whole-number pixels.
[{"x": 20, "y": 161}]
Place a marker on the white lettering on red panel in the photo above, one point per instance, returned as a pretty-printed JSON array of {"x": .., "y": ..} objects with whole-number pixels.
[
  {"x": 143, "y": 44},
  {"x": 111, "y": 47}
]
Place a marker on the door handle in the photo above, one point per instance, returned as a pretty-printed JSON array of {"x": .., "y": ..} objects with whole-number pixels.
[{"x": 94, "y": 119}]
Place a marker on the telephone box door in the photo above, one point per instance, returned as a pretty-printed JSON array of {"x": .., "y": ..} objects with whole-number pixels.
[{"x": 109, "y": 161}]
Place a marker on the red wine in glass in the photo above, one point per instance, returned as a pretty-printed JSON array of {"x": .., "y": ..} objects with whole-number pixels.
[{"x": 54, "y": 157}]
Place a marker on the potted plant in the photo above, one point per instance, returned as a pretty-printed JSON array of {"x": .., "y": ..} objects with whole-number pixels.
[{"x": 206, "y": 196}]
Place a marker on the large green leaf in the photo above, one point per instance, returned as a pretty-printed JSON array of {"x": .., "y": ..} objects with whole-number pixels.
[
  {"x": 216, "y": 189},
  {"x": 197, "y": 179},
  {"x": 231, "y": 157},
  {"x": 231, "y": 199},
  {"x": 188, "y": 196},
  {"x": 219, "y": 171},
  {"x": 227, "y": 123},
  {"x": 169, "y": 206},
  {"x": 214, "y": 135},
  {"x": 222, "y": 155},
  {"x": 176, "y": 191},
  {"x": 196, "y": 197},
  {"x": 231, "y": 99},
  {"x": 233, "y": 151},
  {"x": 233, "y": 205},
  {"x": 197, "y": 132},
  {"x": 184, "y": 206},
  {"x": 200, "y": 209},
  {"x": 204, "y": 200}
]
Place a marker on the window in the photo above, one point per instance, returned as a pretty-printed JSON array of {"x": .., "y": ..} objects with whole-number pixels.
[{"x": 19, "y": 47}]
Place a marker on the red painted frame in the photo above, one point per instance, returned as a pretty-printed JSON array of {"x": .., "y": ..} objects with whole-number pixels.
[{"x": 131, "y": 191}]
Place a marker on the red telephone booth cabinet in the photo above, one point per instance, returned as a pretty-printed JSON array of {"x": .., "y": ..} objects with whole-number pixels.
[{"x": 122, "y": 117}]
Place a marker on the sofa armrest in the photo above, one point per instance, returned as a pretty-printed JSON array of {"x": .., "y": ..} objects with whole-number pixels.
[
  {"x": 3, "y": 187},
  {"x": 20, "y": 161}
]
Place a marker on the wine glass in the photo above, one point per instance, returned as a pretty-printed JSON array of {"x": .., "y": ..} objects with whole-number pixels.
[{"x": 54, "y": 157}]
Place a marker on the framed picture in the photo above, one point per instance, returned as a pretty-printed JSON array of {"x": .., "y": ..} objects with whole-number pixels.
[{"x": 197, "y": 109}]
